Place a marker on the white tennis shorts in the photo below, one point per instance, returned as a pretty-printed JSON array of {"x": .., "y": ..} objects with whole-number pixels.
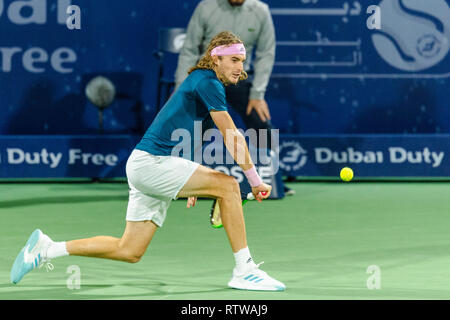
[{"x": 154, "y": 181}]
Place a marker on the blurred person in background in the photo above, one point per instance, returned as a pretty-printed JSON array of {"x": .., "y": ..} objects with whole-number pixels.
[{"x": 251, "y": 21}]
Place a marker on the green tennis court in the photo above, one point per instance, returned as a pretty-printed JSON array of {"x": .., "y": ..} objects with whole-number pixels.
[{"x": 320, "y": 243}]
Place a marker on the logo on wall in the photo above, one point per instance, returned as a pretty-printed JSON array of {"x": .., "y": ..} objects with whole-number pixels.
[
  {"x": 414, "y": 35},
  {"x": 292, "y": 156},
  {"x": 410, "y": 37}
]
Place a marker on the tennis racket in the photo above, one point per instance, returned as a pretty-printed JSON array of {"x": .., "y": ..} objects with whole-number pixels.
[{"x": 214, "y": 216}]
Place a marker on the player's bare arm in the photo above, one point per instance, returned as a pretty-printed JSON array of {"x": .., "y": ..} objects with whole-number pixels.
[{"x": 237, "y": 146}]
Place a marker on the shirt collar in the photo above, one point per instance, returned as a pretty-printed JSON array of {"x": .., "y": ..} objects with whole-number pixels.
[{"x": 227, "y": 5}]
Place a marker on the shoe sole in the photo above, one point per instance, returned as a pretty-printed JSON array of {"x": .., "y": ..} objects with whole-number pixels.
[{"x": 240, "y": 286}]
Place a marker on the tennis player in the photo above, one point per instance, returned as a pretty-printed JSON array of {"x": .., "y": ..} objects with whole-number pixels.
[{"x": 156, "y": 177}]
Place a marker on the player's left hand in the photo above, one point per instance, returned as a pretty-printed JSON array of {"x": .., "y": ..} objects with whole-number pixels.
[
  {"x": 261, "y": 108},
  {"x": 191, "y": 202},
  {"x": 262, "y": 191}
]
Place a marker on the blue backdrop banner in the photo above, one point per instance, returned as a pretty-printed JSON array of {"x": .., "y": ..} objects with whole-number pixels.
[
  {"x": 65, "y": 156},
  {"x": 341, "y": 67},
  {"x": 299, "y": 155},
  {"x": 367, "y": 155},
  {"x": 100, "y": 156}
]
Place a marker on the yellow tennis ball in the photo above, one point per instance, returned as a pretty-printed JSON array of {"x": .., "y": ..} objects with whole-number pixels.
[{"x": 346, "y": 174}]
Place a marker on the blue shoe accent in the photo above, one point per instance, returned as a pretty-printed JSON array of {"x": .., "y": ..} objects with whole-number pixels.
[
  {"x": 248, "y": 277},
  {"x": 20, "y": 268},
  {"x": 254, "y": 278}
]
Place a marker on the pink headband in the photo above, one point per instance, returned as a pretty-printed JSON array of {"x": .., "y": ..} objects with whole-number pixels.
[{"x": 237, "y": 48}]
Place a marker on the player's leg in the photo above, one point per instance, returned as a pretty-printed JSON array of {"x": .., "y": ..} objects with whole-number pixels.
[
  {"x": 210, "y": 183},
  {"x": 40, "y": 249},
  {"x": 129, "y": 248},
  {"x": 144, "y": 214}
]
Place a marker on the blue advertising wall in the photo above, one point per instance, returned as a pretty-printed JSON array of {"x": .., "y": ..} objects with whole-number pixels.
[
  {"x": 105, "y": 156},
  {"x": 334, "y": 74},
  {"x": 117, "y": 39}
]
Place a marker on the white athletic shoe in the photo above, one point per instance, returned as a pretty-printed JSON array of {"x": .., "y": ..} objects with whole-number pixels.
[
  {"x": 255, "y": 279},
  {"x": 33, "y": 255}
]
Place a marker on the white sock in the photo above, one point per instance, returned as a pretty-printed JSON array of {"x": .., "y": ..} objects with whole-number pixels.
[
  {"x": 243, "y": 260},
  {"x": 56, "y": 250}
]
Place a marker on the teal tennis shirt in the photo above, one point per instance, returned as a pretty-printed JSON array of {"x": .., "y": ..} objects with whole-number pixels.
[{"x": 183, "y": 114}]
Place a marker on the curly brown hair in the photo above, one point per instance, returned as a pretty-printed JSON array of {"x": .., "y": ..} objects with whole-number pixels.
[{"x": 224, "y": 38}]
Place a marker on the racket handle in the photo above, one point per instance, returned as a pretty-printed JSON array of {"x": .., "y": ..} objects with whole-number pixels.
[{"x": 250, "y": 195}]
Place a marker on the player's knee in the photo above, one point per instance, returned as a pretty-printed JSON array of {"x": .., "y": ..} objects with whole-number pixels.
[
  {"x": 134, "y": 259},
  {"x": 231, "y": 188},
  {"x": 131, "y": 256},
  {"x": 235, "y": 187}
]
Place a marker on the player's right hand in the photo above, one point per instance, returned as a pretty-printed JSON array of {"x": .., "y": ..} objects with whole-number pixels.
[
  {"x": 262, "y": 191},
  {"x": 191, "y": 201}
]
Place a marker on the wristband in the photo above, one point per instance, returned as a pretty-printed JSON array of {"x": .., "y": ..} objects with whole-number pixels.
[{"x": 253, "y": 177}]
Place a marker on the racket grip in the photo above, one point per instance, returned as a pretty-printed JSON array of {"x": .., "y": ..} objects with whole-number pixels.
[{"x": 250, "y": 195}]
